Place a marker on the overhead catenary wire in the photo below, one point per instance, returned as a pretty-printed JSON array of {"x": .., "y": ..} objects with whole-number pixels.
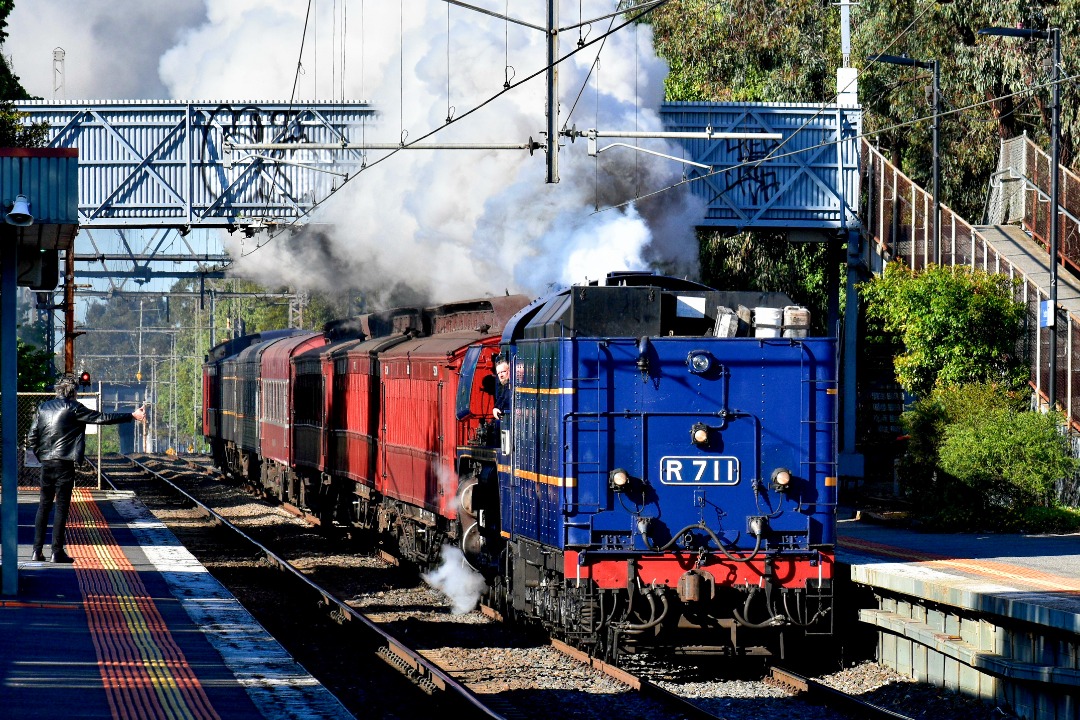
[
  {"x": 641, "y": 11},
  {"x": 645, "y": 9},
  {"x": 300, "y": 57}
]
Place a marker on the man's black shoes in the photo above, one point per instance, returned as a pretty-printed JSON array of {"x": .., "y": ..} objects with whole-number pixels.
[
  {"x": 38, "y": 556},
  {"x": 59, "y": 556}
]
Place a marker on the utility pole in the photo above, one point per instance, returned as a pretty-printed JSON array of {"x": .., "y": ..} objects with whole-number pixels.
[
  {"x": 138, "y": 372},
  {"x": 553, "y": 91},
  {"x": 69, "y": 311}
]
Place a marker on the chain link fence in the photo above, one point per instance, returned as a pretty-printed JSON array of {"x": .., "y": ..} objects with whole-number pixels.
[{"x": 1020, "y": 193}]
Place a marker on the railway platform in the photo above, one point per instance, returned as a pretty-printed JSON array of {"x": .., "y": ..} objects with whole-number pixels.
[
  {"x": 138, "y": 629},
  {"x": 996, "y": 616}
]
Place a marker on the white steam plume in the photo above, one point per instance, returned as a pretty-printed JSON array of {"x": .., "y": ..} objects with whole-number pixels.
[
  {"x": 456, "y": 579},
  {"x": 447, "y": 224}
]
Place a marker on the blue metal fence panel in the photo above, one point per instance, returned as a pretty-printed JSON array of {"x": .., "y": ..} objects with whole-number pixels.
[{"x": 809, "y": 179}]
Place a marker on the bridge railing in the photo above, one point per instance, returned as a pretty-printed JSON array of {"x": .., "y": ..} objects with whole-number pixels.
[
  {"x": 1020, "y": 193},
  {"x": 898, "y": 222}
]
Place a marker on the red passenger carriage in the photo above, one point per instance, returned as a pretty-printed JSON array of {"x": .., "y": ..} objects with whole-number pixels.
[{"x": 276, "y": 415}]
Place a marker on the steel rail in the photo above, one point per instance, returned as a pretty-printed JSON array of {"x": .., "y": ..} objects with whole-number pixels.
[
  {"x": 395, "y": 651},
  {"x": 831, "y": 697}
]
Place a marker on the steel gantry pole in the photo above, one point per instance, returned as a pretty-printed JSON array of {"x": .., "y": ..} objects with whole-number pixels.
[
  {"x": 553, "y": 91},
  {"x": 1055, "y": 162},
  {"x": 937, "y": 160}
]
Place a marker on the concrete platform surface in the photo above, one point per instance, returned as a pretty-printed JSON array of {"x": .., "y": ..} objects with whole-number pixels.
[
  {"x": 138, "y": 629},
  {"x": 1034, "y": 578}
]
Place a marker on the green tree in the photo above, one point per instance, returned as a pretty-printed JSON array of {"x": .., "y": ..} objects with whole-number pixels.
[
  {"x": 991, "y": 87},
  {"x": 956, "y": 325},
  {"x": 10, "y": 87},
  {"x": 1014, "y": 458},
  {"x": 15, "y": 131},
  {"x": 748, "y": 50},
  {"x": 34, "y": 368}
]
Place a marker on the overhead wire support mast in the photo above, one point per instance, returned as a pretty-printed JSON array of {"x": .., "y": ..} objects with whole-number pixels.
[{"x": 552, "y": 31}]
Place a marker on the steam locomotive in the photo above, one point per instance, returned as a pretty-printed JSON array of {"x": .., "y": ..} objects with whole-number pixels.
[{"x": 665, "y": 477}]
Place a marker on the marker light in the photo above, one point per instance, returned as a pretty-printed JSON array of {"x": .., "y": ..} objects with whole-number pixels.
[
  {"x": 699, "y": 434},
  {"x": 618, "y": 480},
  {"x": 699, "y": 362},
  {"x": 781, "y": 479}
]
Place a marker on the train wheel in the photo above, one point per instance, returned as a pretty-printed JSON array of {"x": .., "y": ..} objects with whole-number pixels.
[{"x": 326, "y": 501}]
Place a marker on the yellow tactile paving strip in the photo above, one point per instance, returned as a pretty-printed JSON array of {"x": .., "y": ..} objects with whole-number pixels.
[
  {"x": 990, "y": 569},
  {"x": 145, "y": 673}
]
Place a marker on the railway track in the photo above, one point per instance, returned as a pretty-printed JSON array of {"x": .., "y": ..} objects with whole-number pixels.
[
  {"x": 821, "y": 693},
  {"x": 464, "y": 664},
  {"x": 467, "y": 663},
  {"x": 243, "y": 559}
]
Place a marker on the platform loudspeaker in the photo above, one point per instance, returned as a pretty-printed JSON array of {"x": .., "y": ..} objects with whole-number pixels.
[{"x": 19, "y": 214}]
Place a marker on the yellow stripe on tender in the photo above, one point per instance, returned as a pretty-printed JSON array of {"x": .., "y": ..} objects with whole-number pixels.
[
  {"x": 544, "y": 391},
  {"x": 538, "y": 478}
]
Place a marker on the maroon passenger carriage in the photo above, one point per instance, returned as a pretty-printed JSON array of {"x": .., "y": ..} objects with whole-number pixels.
[
  {"x": 276, "y": 416},
  {"x": 357, "y": 424},
  {"x": 231, "y": 397},
  {"x": 336, "y": 399},
  {"x": 420, "y": 429}
]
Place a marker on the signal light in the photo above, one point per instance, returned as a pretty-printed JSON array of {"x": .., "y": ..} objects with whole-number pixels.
[
  {"x": 84, "y": 379},
  {"x": 699, "y": 434}
]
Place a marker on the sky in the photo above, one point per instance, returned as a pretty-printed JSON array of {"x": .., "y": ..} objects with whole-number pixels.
[{"x": 436, "y": 226}]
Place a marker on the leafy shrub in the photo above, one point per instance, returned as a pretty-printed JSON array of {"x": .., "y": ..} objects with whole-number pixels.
[
  {"x": 1049, "y": 520},
  {"x": 957, "y": 325},
  {"x": 978, "y": 460},
  {"x": 956, "y": 518},
  {"x": 1016, "y": 456}
]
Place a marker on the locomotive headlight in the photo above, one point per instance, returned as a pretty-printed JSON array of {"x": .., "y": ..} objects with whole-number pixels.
[
  {"x": 699, "y": 434},
  {"x": 619, "y": 480},
  {"x": 699, "y": 362},
  {"x": 781, "y": 479}
]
